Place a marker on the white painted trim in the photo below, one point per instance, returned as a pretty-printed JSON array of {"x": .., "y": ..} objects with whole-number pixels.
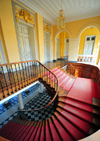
[
  {"x": 28, "y": 24},
  {"x": 87, "y": 26},
  {"x": 20, "y": 91}
]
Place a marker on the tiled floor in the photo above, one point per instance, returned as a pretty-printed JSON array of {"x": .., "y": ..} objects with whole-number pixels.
[
  {"x": 39, "y": 101},
  {"x": 14, "y": 102}
]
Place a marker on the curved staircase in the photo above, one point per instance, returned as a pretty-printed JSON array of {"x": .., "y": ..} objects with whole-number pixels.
[{"x": 75, "y": 117}]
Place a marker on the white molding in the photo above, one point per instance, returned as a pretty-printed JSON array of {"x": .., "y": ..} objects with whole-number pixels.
[{"x": 87, "y": 26}]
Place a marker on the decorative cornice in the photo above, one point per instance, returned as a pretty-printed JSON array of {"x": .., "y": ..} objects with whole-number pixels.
[
  {"x": 23, "y": 15},
  {"x": 46, "y": 27}
]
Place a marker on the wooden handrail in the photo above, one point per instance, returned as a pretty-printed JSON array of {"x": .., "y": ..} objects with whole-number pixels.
[
  {"x": 48, "y": 70},
  {"x": 62, "y": 57}
]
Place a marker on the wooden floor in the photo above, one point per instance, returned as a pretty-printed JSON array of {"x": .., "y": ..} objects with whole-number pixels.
[{"x": 58, "y": 63}]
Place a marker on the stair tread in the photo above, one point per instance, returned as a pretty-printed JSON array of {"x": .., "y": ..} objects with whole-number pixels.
[
  {"x": 81, "y": 90},
  {"x": 54, "y": 133},
  {"x": 82, "y": 114},
  {"x": 69, "y": 84},
  {"x": 76, "y": 121},
  {"x": 64, "y": 135},
  {"x": 62, "y": 78},
  {"x": 78, "y": 104},
  {"x": 63, "y": 83},
  {"x": 42, "y": 134},
  {"x": 47, "y": 132},
  {"x": 69, "y": 127}
]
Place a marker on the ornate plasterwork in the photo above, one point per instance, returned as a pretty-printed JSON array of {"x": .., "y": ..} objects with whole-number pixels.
[
  {"x": 23, "y": 15},
  {"x": 46, "y": 27}
]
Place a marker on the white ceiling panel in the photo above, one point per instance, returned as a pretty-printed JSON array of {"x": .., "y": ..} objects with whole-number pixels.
[{"x": 73, "y": 9}]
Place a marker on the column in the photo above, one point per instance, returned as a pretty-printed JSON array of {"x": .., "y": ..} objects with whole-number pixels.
[
  {"x": 41, "y": 88},
  {"x": 97, "y": 61},
  {"x": 40, "y": 37},
  {"x": 21, "y": 105},
  {"x": 73, "y": 49}
]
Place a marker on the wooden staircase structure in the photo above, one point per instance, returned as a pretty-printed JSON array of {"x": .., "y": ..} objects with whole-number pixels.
[{"x": 77, "y": 107}]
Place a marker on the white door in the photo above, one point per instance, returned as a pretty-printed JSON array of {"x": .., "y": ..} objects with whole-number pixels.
[
  {"x": 89, "y": 45},
  {"x": 57, "y": 48},
  {"x": 25, "y": 46},
  {"x": 66, "y": 46}
]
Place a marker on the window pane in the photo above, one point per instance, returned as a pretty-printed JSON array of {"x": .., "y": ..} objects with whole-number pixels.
[
  {"x": 93, "y": 38},
  {"x": 88, "y": 38}
]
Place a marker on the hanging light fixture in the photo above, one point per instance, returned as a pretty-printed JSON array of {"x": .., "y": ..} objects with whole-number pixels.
[{"x": 61, "y": 19}]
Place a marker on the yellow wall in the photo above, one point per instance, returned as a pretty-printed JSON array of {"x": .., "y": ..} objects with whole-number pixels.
[
  {"x": 87, "y": 32},
  {"x": 62, "y": 37},
  {"x": 9, "y": 38},
  {"x": 40, "y": 37},
  {"x": 8, "y": 29},
  {"x": 74, "y": 28}
]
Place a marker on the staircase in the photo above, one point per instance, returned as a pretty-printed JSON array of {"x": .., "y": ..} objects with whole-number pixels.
[{"x": 76, "y": 115}]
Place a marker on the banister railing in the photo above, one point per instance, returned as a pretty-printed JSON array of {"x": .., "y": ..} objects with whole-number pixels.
[
  {"x": 16, "y": 76},
  {"x": 70, "y": 68},
  {"x": 90, "y": 59}
]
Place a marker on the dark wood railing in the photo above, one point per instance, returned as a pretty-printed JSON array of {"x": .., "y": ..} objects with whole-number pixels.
[
  {"x": 16, "y": 76},
  {"x": 70, "y": 68}
]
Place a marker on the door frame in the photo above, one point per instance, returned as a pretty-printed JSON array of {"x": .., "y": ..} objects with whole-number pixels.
[{"x": 35, "y": 41}]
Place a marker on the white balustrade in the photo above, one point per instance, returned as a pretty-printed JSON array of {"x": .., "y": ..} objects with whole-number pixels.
[{"x": 90, "y": 59}]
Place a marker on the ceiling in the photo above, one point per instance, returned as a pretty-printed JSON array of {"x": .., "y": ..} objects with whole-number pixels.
[{"x": 73, "y": 9}]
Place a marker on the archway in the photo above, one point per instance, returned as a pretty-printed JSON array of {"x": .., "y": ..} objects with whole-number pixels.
[
  {"x": 89, "y": 38},
  {"x": 61, "y": 37}
]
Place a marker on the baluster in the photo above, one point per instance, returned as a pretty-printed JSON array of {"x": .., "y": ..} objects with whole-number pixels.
[
  {"x": 89, "y": 59},
  {"x": 9, "y": 79},
  {"x": 32, "y": 73},
  {"x": 26, "y": 73},
  {"x": 85, "y": 59},
  {"x": 79, "y": 58},
  {"x": 5, "y": 81},
  {"x": 20, "y": 75},
  {"x": 23, "y": 75},
  {"x": 14, "y": 78},
  {"x": 29, "y": 72},
  {"x": 2, "y": 86},
  {"x": 82, "y": 58},
  {"x": 17, "y": 77},
  {"x": 36, "y": 69}
]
